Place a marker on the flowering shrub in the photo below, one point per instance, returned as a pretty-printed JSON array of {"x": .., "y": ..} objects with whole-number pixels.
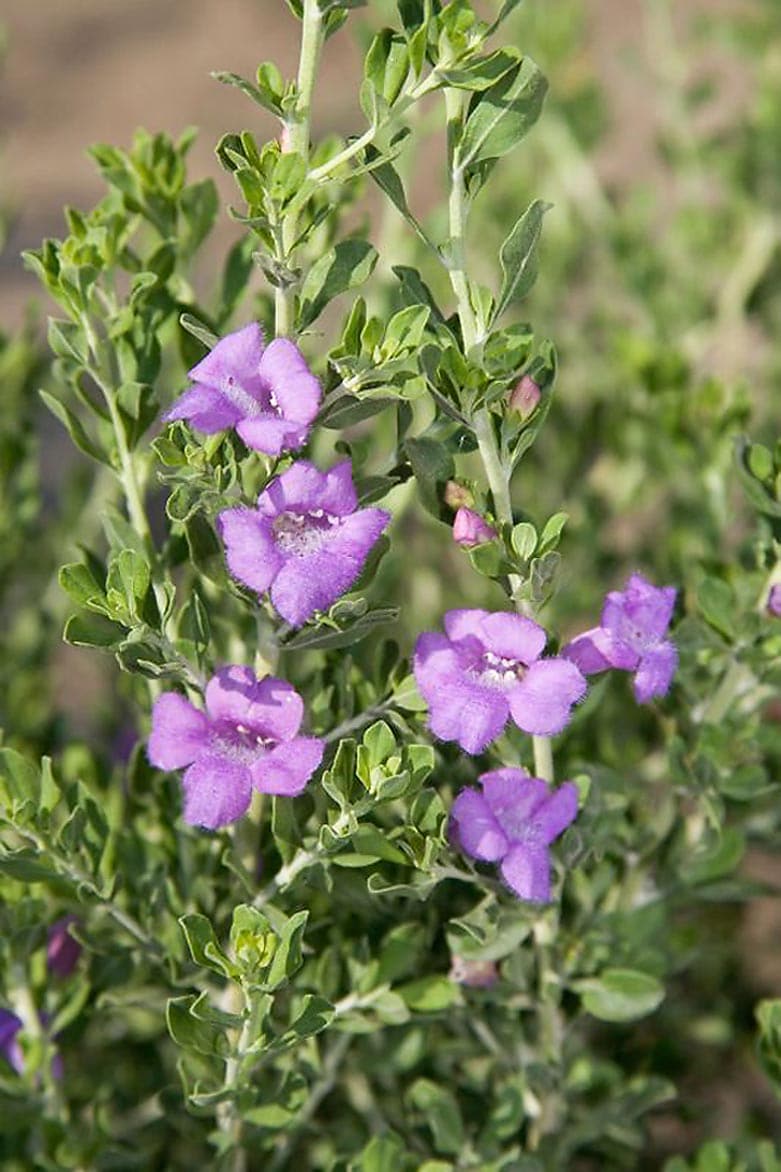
[{"x": 370, "y": 926}]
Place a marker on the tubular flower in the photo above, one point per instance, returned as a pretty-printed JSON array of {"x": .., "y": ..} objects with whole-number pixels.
[
  {"x": 512, "y": 822},
  {"x": 486, "y": 670},
  {"x": 306, "y": 542},
  {"x": 267, "y": 393},
  {"x": 631, "y": 637},
  {"x": 246, "y": 739},
  {"x": 774, "y": 600}
]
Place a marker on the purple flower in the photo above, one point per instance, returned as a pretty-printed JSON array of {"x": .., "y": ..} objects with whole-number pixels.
[
  {"x": 306, "y": 542},
  {"x": 62, "y": 951},
  {"x": 10, "y": 1049},
  {"x": 268, "y": 394},
  {"x": 631, "y": 637},
  {"x": 774, "y": 600},
  {"x": 469, "y": 528},
  {"x": 247, "y": 738},
  {"x": 486, "y": 670},
  {"x": 512, "y": 822}
]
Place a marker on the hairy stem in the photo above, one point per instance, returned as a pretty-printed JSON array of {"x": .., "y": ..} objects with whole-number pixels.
[{"x": 297, "y": 140}]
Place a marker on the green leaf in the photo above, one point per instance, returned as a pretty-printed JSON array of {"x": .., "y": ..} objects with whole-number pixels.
[
  {"x": 620, "y": 995},
  {"x": 287, "y": 957},
  {"x": 316, "y": 1015},
  {"x": 518, "y": 256},
  {"x": 323, "y": 638},
  {"x": 92, "y": 630},
  {"x": 524, "y": 540},
  {"x": 387, "y": 64},
  {"x": 440, "y": 1109},
  {"x": 383, "y": 1153},
  {"x": 432, "y": 466},
  {"x": 263, "y": 95},
  {"x": 198, "y": 330},
  {"x": 768, "y": 1014},
  {"x": 343, "y": 267},
  {"x": 430, "y": 994},
  {"x": 379, "y": 743},
  {"x": 549, "y": 538},
  {"x": 74, "y": 427},
  {"x": 203, "y": 945},
  {"x": 191, "y": 1032},
  {"x": 482, "y": 72},
  {"x": 387, "y": 177},
  {"x": 80, "y": 584},
  {"x": 717, "y": 604},
  {"x": 501, "y": 116}
]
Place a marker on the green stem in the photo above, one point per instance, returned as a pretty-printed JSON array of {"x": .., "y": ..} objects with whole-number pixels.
[
  {"x": 455, "y": 102},
  {"x": 298, "y": 133}
]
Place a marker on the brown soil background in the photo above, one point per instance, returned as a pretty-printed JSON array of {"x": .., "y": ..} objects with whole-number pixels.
[{"x": 83, "y": 71}]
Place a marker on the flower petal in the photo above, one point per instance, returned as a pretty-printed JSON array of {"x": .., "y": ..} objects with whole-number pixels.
[
  {"x": 474, "y": 828},
  {"x": 514, "y": 798},
  {"x": 250, "y": 550},
  {"x": 286, "y": 374},
  {"x": 269, "y": 707},
  {"x": 558, "y": 811},
  {"x": 540, "y": 704},
  {"x": 313, "y": 581},
  {"x": 526, "y": 870},
  {"x": 287, "y": 768},
  {"x": 298, "y": 489},
  {"x": 205, "y": 408},
  {"x": 237, "y": 356},
  {"x": 217, "y": 791},
  {"x": 584, "y": 652},
  {"x": 460, "y": 709},
  {"x": 510, "y": 636},
  {"x": 269, "y": 434},
  {"x": 655, "y": 673},
  {"x": 180, "y": 732},
  {"x": 640, "y": 614}
]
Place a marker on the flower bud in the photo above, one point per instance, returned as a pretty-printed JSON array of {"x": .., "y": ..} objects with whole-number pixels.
[
  {"x": 62, "y": 951},
  {"x": 774, "y": 600},
  {"x": 477, "y": 974},
  {"x": 524, "y": 397},
  {"x": 457, "y": 495},
  {"x": 469, "y": 529}
]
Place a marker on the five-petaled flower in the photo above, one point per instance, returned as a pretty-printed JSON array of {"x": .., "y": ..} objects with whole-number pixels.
[
  {"x": 268, "y": 394},
  {"x": 487, "y": 669},
  {"x": 512, "y": 822},
  {"x": 631, "y": 637},
  {"x": 306, "y": 542},
  {"x": 469, "y": 528},
  {"x": 246, "y": 739}
]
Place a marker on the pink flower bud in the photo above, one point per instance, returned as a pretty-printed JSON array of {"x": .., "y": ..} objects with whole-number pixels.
[
  {"x": 774, "y": 600},
  {"x": 524, "y": 397},
  {"x": 284, "y": 138},
  {"x": 62, "y": 951},
  {"x": 457, "y": 495},
  {"x": 470, "y": 529},
  {"x": 477, "y": 974}
]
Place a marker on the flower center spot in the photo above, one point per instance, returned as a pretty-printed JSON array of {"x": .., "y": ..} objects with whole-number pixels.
[{"x": 303, "y": 533}]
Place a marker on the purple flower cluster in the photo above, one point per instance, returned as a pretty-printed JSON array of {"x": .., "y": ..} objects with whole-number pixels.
[
  {"x": 306, "y": 541},
  {"x": 246, "y": 739},
  {"x": 267, "y": 393},
  {"x": 485, "y": 670},
  {"x": 632, "y": 637},
  {"x": 512, "y": 821}
]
